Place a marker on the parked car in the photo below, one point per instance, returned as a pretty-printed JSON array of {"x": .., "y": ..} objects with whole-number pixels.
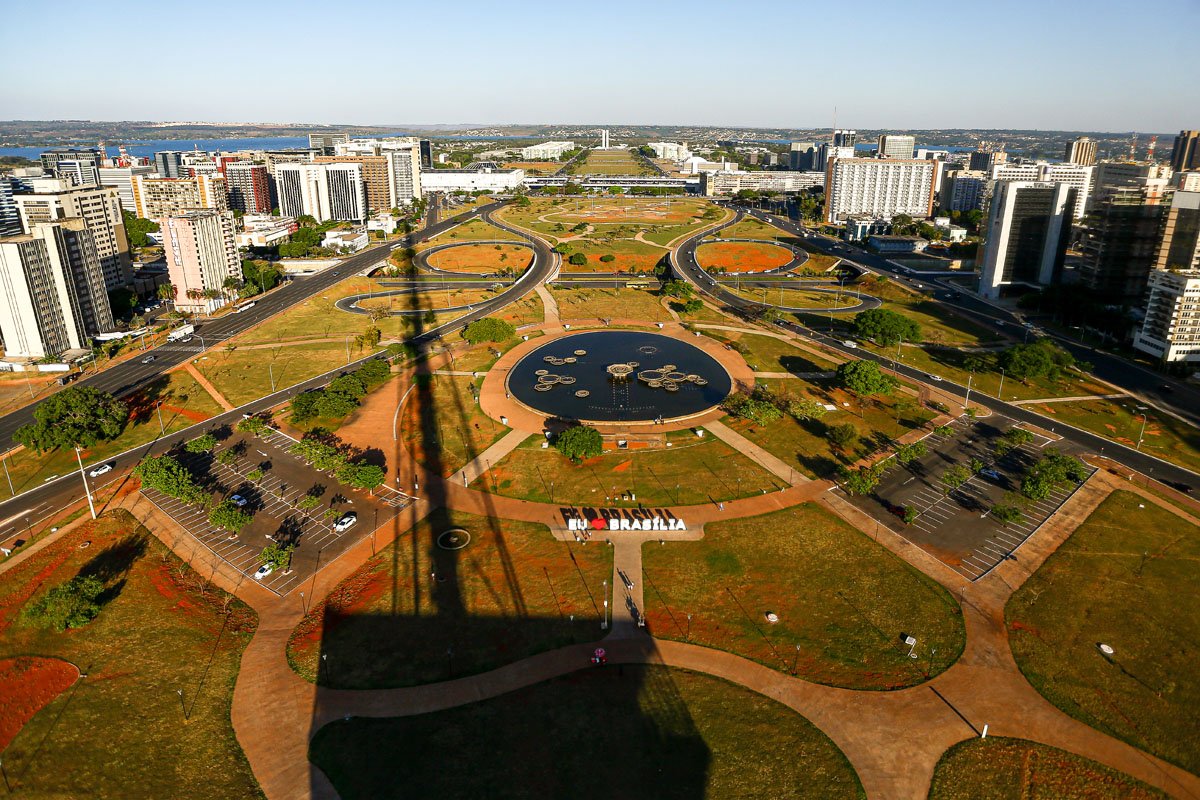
[
  {"x": 96, "y": 472},
  {"x": 263, "y": 571},
  {"x": 238, "y": 501},
  {"x": 990, "y": 473},
  {"x": 345, "y": 522},
  {"x": 185, "y": 340}
]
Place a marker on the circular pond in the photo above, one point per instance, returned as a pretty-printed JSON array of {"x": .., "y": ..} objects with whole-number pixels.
[{"x": 619, "y": 376}]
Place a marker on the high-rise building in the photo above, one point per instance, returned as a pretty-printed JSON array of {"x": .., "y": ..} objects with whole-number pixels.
[
  {"x": 326, "y": 143},
  {"x": 1185, "y": 155},
  {"x": 79, "y": 165},
  {"x": 1112, "y": 176},
  {"x": 55, "y": 199},
  {"x": 323, "y": 191},
  {"x": 844, "y": 138},
  {"x": 401, "y": 168},
  {"x": 670, "y": 151},
  {"x": 1188, "y": 181},
  {"x": 1121, "y": 238},
  {"x": 426, "y": 154},
  {"x": 1075, "y": 176},
  {"x": 964, "y": 190},
  {"x": 376, "y": 177},
  {"x": 879, "y": 187},
  {"x": 169, "y": 164},
  {"x": 201, "y": 255},
  {"x": 546, "y": 151},
  {"x": 803, "y": 157},
  {"x": 52, "y": 293},
  {"x": 404, "y": 175},
  {"x": 249, "y": 187},
  {"x": 1171, "y": 328},
  {"x": 121, "y": 179},
  {"x": 1028, "y": 229},
  {"x": 161, "y": 197},
  {"x": 984, "y": 160},
  {"x": 1180, "y": 246},
  {"x": 198, "y": 163},
  {"x": 10, "y": 215},
  {"x": 1082, "y": 151},
  {"x": 893, "y": 145}
]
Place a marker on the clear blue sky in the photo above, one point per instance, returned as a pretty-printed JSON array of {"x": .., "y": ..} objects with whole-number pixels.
[{"x": 1050, "y": 64}]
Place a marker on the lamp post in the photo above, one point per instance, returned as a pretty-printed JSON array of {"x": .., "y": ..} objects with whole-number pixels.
[
  {"x": 604, "y": 622},
  {"x": 1000, "y": 392},
  {"x": 87, "y": 489},
  {"x": 158, "y": 408},
  {"x": 11, "y": 490},
  {"x": 1142, "y": 435}
]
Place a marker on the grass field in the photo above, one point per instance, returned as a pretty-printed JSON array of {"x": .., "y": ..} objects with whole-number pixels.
[
  {"x": 482, "y": 258},
  {"x": 1123, "y": 578},
  {"x": 242, "y": 375},
  {"x": 833, "y": 628},
  {"x": 742, "y": 256},
  {"x": 612, "y": 162},
  {"x": 628, "y": 255},
  {"x": 120, "y": 731},
  {"x": 753, "y": 228},
  {"x": 609, "y": 220},
  {"x": 633, "y": 732},
  {"x": 998, "y": 768},
  {"x": 796, "y": 298},
  {"x": 691, "y": 472},
  {"x": 636, "y": 304},
  {"x": 769, "y": 354},
  {"x": 938, "y": 324},
  {"x": 184, "y": 403},
  {"x": 471, "y": 231},
  {"x": 463, "y": 431},
  {"x": 510, "y": 593}
]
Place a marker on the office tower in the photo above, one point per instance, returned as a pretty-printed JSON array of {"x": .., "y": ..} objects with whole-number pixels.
[
  {"x": 249, "y": 187},
  {"x": 161, "y": 197},
  {"x": 802, "y": 157},
  {"x": 169, "y": 164},
  {"x": 1185, "y": 155},
  {"x": 404, "y": 175},
  {"x": 844, "y": 138},
  {"x": 375, "y": 174},
  {"x": 1180, "y": 245},
  {"x": 1082, "y": 151},
  {"x": 892, "y": 145},
  {"x": 54, "y": 199},
  {"x": 604, "y": 139},
  {"x": 201, "y": 255},
  {"x": 546, "y": 151},
  {"x": 879, "y": 187},
  {"x": 1171, "y": 328},
  {"x": 670, "y": 151},
  {"x": 984, "y": 160},
  {"x": 326, "y": 143},
  {"x": 121, "y": 179},
  {"x": 52, "y": 293},
  {"x": 1028, "y": 229},
  {"x": 1109, "y": 177},
  {"x": 198, "y": 163},
  {"x": 10, "y": 215},
  {"x": 426, "y": 154},
  {"x": 1188, "y": 181},
  {"x": 323, "y": 191},
  {"x": 1121, "y": 241},
  {"x": 1079, "y": 178},
  {"x": 964, "y": 190},
  {"x": 77, "y": 165}
]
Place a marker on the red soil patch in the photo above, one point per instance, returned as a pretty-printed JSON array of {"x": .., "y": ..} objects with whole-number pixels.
[
  {"x": 482, "y": 258},
  {"x": 742, "y": 256},
  {"x": 187, "y": 413},
  {"x": 27, "y": 685},
  {"x": 623, "y": 466}
]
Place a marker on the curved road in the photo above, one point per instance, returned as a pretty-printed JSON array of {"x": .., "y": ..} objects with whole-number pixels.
[{"x": 421, "y": 259}]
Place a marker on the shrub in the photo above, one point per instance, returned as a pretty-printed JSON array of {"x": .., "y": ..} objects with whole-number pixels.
[
  {"x": 166, "y": 475},
  {"x": 201, "y": 444},
  {"x": 579, "y": 442},
  {"x": 488, "y": 329},
  {"x": 277, "y": 555},
  {"x": 364, "y": 476},
  {"x": 307, "y": 502},
  {"x": 756, "y": 406},
  {"x": 805, "y": 409},
  {"x": 608, "y": 258},
  {"x": 577, "y": 259},
  {"x": 252, "y": 425},
  {"x": 911, "y": 452},
  {"x": 862, "y": 480},
  {"x": 910, "y": 515},
  {"x": 69, "y": 605},
  {"x": 954, "y": 477},
  {"x": 842, "y": 436},
  {"x": 254, "y": 475}
]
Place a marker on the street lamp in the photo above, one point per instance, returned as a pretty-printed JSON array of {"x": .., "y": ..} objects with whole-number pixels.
[
  {"x": 604, "y": 622},
  {"x": 87, "y": 489},
  {"x": 1142, "y": 435}
]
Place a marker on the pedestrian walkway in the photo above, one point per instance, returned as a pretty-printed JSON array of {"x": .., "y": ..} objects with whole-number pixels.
[
  {"x": 771, "y": 463},
  {"x": 489, "y": 458},
  {"x": 1078, "y": 398},
  {"x": 207, "y": 386},
  {"x": 549, "y": 306},
  {"x": 785, "y": 375}
]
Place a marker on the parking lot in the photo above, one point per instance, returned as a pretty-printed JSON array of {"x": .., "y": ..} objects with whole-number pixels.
[
  {"x": 272, "y": 500},
  {"x": 957, "y": 527}
]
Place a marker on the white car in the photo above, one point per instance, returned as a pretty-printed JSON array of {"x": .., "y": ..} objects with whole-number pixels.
[
  {"x": 100, "y": 470},
  {"x": 933, "y": 377},
  {"x": 849, "y": 343},
  {"x": 263, "y": 571},
  {"x": 347, "y": 520},
  {"x": 238, "y": 501}
]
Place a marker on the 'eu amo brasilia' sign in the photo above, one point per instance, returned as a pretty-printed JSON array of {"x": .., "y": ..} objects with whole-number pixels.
[{"x": 621, "y": 519}]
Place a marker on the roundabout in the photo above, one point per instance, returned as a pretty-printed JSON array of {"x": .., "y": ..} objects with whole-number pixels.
[
  {"x": 421, "y": 260},
  {"x": 730, "y": 254}
]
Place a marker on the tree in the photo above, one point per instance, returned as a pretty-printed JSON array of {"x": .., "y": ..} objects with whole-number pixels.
[
  {"x": 1010, "y": 440},
  {"x": 304, "y": 405},
  {"x": 886, "y": 327},
  {"x": 577, "y": 259},
  {"x": 136, "y": 229},
  {"x": 277, "y": 555},
  {"x": 954, "y": 477},
  {"x": 756, "y": 406},
  {"x": 122, "y": 302},
  {"x": 78, "y": 416},
  {"x": 842, "y": 436},
  {"x": 1039, "y": 359},
  {"x": 362, "y": 475},
  {"x": 608, "y": 258},
  {"x": 166, "y": 475},
  {"x": 69, "y": 605},
  {"x": 805, "y": 409},
  {"x": 910, "y": 515},
  {"x": 911, "y": 452},
  {"x": 488, "y": 329},
  {"x": 864, "y": 378},
  {"x": 579, "y": 442},
  {"x": 228, "y": 516},
  {"x": 201, "y": 444},
  {"x": 862, "y": 480},
  {"x": 255, "y": 475},
  {"x": 167, "y": 292},
  {"x": 1007, "y": 514},
  {"x": 680, "y": 290},
  {"x": 334, "y": 405}
]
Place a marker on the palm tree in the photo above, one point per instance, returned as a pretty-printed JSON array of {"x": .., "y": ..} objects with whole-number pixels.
[{"x": 167, "y": 292}]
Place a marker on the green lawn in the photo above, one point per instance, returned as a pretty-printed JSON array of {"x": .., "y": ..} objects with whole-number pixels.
[
  {"x": 120, "y": 731},
  {"x": 243, "y": 375},
  {"x": 753, "y": 228},
  {"x": 797, "y": 298},
  {"x": 630, "y": 732},
  {"x": 612, "y": 162},
  {"x": 769, "y": 354},
  {"x": 474, "y": 230},
  {"x": 844, "y": 601},
  {"x": 510, "y": 593},
  {"x": 691, "y": 472},
  {"x": 997, "y": 768},
  {"x": 1127, "y": 577},
  {"x": 636, "y": 304},
  {"x": 443, "y": 426}
]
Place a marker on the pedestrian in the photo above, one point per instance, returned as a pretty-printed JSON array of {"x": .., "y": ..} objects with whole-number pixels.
[{"x": 721, "y": 506}]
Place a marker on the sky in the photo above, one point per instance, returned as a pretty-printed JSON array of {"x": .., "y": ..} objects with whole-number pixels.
[{"x": 1095, "y": 65}]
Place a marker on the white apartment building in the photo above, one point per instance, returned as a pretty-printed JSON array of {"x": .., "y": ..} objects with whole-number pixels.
[
  {"x": 546, "y": 151},
  {"x": 895, "y": 145},
  {"x": 154, "y": 198},
  {"x": 121, "y": 179},
  {"x": 52, "y": 293},
  {"x": 352, "y": 240},
  {"x": 473, "y": 180},
  {"x": 201, "y": 255},
  {"x": 879, "y": 187},
  {"x": 403, "y": 164},
  {"x": 1028, "y": 228},
  {"x": 1187, "y": 181},
  {"x": 263, "y": 230},
  {"x": 1076, "y": 176},
  {"x": 670, "y": 151},
  {"x": 964, "y": 190},
  {"x": 733, "y": 181},
  {"x": 55, "y": 199},
  {"x": 1171, "y": 328},
  {"x": 323, "y": 191}
]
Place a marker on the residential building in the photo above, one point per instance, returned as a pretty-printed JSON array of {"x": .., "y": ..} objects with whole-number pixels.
[
  {"x": 1188, "y": 181},
  {"x": 198, "y": 163},
  {"x": 1121, "y": 240},
  {"x": 201, "y": 255},
  {"x": 893, "y": 145},
  {"x": 154, "y": 198},
  {"x": 546, "y": 151},
  {"x": 385, "y": 223},
  {"x": 326, "y": 143},
  {"x": 264, "y": 230},
  {"x": 1112, "y": 176},
  {"x": 322, "y": 191},
  {"x": 1082, "y": 151},
  {"x": 828, "y": 152},
  {"x": 52, "y": 292},
  {"x": 1171, "y": 328},
  {"x": 169, "y": 164},
  {"x": 1185, "y": 155},
  {"x": 879, "y": 187},
  {"x": 10, "y": 215},
  {"x": 405, "y": 181},
  {"x": 670, "y": 151},
  {"x": 964, "y": 190},
  {"x": 844, "y": 138},
  {"x": 1077, "y": 177},
  {"x": 121, "y": 179},
  {"x": 249, "y": 187},
  {"x": 932, "y": 154},
  {"x": 376, "y": 177},
  {"x": 395, "y": 178},
  {"x": 1180, "y": 246},
  {"x": 484, "y": 176},
  {"x": 897, "y": 244},
  {"x": 732, "y": 181},
  {"x": 984, "y": 160},
  {"x": 55, "y": 199},
  {"x": 860, "y": 227},
  {"x": 77, "y": 165},
  {"x": 1028, "y": 229},
  {"x": 426, "y": 154},
  {"x": 353, "y": 240}
]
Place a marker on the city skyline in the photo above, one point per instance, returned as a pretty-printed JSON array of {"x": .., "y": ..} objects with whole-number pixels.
[{"x": 655, "y": 66}]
